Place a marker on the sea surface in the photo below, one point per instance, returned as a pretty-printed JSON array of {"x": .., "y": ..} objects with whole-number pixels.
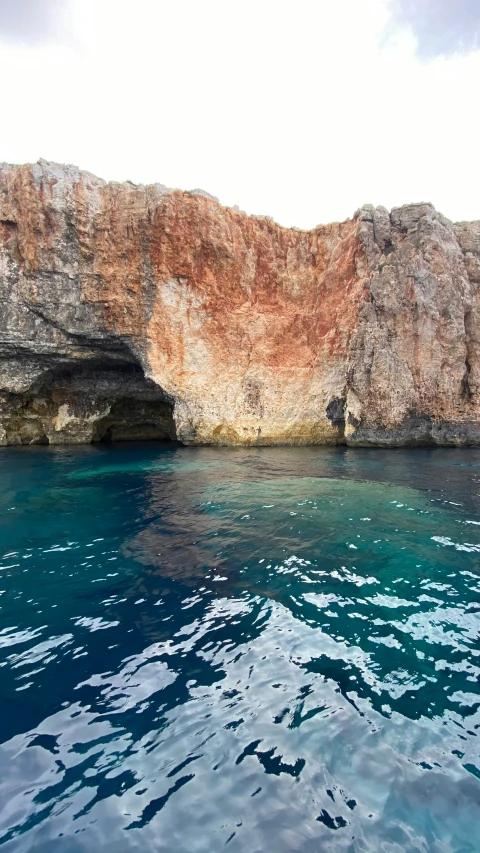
[{"x": 260, "y": 650}]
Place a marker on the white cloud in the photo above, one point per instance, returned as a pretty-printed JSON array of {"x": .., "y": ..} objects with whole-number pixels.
[
  {"x": 440, "y": 27},
  {"x": 295, "y": 110},
  {"x": 32, "y": 21}
]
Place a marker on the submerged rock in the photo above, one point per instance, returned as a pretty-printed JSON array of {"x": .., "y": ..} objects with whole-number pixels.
[{"x": 141, "y": 312}]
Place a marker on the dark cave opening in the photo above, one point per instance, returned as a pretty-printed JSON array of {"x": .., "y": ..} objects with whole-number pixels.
[
  {"x": 136, "y": 420},
  {"x": 131, "y": 407},
  {"x": 104, "y": 399}
]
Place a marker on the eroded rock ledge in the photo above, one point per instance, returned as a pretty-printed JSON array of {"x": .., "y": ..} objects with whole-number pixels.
[{"x": 131, "y": 312}]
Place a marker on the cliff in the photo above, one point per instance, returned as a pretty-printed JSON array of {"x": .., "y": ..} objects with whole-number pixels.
[{"x": 141, "y": 312}]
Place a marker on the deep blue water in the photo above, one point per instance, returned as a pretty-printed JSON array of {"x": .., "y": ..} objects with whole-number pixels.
[{"x": 251, "y": 650}]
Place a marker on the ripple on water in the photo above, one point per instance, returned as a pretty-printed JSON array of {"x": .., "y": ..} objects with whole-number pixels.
[{"x": 209, "y": 649}]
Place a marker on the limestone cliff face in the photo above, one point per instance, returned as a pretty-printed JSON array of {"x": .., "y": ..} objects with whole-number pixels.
[{"x": 140, "y": 312}]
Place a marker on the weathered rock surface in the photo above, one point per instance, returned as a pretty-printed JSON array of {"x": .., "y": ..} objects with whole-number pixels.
[{"x": 141, "y": 312}]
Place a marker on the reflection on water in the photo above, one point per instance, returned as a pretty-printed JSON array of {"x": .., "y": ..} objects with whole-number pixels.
[{"x": 252, "y": 649}]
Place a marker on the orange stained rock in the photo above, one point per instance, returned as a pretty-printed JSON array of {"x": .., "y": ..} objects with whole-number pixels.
[{"x": 253, "y": 330}]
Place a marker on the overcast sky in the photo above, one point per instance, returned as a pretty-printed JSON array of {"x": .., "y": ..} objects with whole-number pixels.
[{"x": 299, "y": 109}]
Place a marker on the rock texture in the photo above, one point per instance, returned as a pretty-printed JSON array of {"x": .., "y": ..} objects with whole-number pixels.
[{"x": 140, "y": 312}]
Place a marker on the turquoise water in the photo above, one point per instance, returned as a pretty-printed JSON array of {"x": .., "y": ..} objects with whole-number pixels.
[{"x": 251, "y": 650}]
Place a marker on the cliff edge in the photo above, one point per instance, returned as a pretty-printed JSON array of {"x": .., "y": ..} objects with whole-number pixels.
[{"x": 141, "y": 312}]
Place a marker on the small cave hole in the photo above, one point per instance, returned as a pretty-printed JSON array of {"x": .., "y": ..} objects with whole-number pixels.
[{"x": 335, "y": 412}]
